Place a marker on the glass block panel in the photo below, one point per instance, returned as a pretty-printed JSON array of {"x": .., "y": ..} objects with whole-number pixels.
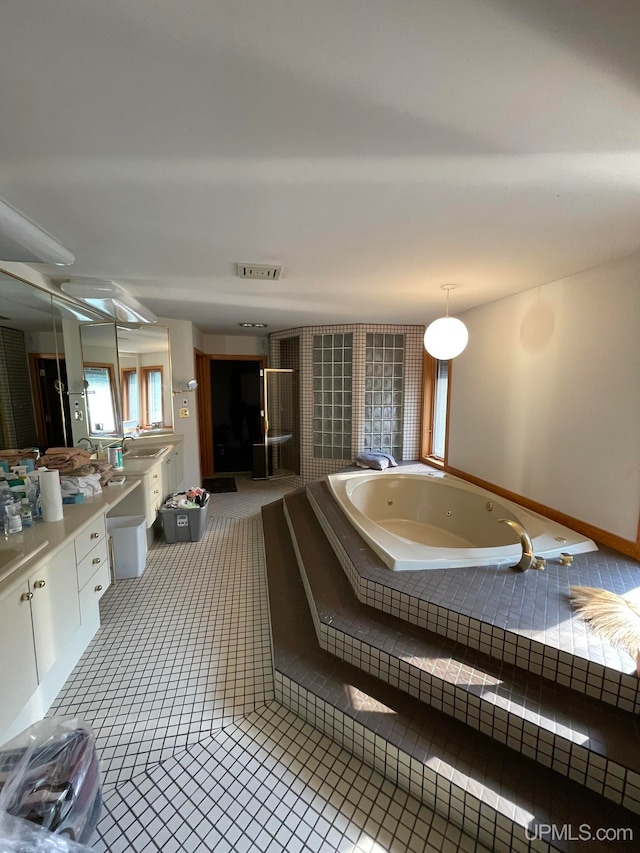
[
  {"x": 384, "y": 361},
  {"x": 332, "y": 368}
]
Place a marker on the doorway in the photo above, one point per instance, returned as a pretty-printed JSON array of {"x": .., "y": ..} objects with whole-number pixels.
[
  {"x": 236, "y": 411},
  {"x": 51, "y": 403}
]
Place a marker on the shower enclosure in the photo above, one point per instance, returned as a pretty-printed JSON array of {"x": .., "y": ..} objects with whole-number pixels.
[{"x": 279, "y": 453}]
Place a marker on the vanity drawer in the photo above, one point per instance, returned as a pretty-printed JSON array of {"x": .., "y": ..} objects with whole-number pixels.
[
  {"x": 92, "y": 592},
  {"x": 88, "y": 538},
  {"x": 92, "y": 563}
]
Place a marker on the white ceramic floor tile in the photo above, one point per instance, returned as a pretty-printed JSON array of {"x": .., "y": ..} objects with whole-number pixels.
[{"x": 195, "y": 754}]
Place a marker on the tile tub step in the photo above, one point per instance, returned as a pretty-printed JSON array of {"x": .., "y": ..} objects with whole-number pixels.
[
  {"x": 502, "y": 798},
  {"x": 522, "y": 619},
  {"x": 576, "y": 735}
]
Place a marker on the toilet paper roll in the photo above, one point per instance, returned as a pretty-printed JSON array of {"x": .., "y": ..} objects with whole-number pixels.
[{"x": 51, "y": 496}]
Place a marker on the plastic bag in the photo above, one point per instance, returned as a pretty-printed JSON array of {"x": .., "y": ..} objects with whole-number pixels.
[
  {"x": 20, "y": 836},
  {"x": 49, "y": 777}
]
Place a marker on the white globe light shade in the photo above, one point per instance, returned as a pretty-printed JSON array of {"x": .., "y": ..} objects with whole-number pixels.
[{"x": 446, "y": 338}]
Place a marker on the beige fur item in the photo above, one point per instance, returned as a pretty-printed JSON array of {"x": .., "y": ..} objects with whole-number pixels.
[{"x": 611, "y": 616}]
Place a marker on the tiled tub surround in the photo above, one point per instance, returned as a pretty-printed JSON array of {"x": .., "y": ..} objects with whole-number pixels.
[
  {"x": 521, "y": 618},
  {"x": 195, "y": 757},
  {"x": 482, "y": 786},
  {"x": 581, "y": 738}
]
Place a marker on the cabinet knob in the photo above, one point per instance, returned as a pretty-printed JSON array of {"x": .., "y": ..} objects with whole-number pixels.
[
  {"x": 26, "y": 596},
  {"x": 168, "y": 461},
  {"x": 99, "y": 588},
  {"x": 95, "y": 535},
  {"x": 96, "y": 560},
  {"x": 40, "y": 584},
  {"x": 155, "y": 476}
]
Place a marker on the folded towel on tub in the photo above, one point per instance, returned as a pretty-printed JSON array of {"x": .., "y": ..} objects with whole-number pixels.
[{"x": 375, "y": 459}]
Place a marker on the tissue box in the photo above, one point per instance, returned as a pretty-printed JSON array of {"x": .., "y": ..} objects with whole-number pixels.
[{"x": 73, "y": 499}]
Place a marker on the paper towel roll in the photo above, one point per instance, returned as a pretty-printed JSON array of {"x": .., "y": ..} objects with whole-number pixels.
[{"x": 51, "y": 496}]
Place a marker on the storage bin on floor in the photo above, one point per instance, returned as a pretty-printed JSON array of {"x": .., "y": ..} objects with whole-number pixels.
[
  {"x": 129, "y": 536},
  {"x": 184, "y": 524}
]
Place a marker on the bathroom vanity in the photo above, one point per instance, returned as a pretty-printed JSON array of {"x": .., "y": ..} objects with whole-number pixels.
[
  {"x": 160, "y": 468},
  {"x": 53, "y": 575}
]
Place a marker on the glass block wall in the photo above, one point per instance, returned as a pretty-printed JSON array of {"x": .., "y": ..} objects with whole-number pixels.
[
  {"x": 383, "y": 394},
  {"x": 405, "y": 440},
  {"x": 332, "y": 395}
]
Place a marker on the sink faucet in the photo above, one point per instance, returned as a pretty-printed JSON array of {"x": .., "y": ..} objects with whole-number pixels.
[
  {"x": 526, "y": 560},
  {"x": 92, "y": 447},
  {"x": 130, "y": 437}
]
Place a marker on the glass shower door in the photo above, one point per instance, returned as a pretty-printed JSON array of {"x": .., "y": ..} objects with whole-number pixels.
[{"x": 281, "y": 422}]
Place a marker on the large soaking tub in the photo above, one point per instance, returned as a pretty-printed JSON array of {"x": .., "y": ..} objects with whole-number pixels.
[{"x": 436, "y": 521}]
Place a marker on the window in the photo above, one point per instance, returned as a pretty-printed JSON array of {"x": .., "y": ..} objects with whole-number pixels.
[
  {"x": 440, "y": 410},
  {"x": 152, "y": 403},
  {"x": 130, "y": 394},
  {"x": 100, "y": 397},
  {"x": 435, "y": 409}
]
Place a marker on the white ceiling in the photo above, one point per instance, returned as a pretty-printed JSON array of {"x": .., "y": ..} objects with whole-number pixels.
[{"x": 375, "y": 148}]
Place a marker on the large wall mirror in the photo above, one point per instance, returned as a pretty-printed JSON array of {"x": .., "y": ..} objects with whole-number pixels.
[
  {"x": 145, "y": 379},
  {"x": 36, "y": 408},
  {"x": 66, "y": 374},
  {"x": 100, "y": 373}
]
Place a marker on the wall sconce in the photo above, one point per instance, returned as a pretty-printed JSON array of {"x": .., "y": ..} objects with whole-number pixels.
[
  {"x": 24, "y": 241},
  {"x": 110, "y": 298},
  {"x": 192, "y": 384},
  {"x": 446, "y": 337}
]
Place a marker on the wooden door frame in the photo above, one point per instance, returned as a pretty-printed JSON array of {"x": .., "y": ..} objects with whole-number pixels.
[{"x": 205, "y": 402}]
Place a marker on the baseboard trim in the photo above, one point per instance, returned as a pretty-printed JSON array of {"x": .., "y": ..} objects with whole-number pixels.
[{"x": 612, "y": 540}]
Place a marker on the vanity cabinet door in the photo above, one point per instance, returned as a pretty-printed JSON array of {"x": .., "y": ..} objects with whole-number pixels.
[
  {"x": 18, "y": 674},
  {"x": 155, "y": 480},
  {"x": 55, "y": 607}
]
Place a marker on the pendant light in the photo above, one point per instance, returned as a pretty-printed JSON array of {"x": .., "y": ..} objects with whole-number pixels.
[{"x": 446, "y": 337}]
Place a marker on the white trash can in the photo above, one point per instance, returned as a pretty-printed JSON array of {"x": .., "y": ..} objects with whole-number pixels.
[{"x": 129, "y": 535}]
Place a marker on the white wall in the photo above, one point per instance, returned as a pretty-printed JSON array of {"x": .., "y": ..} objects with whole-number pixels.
[
  {"x": 546, "y": 398},
  {"x": 44, "y": 342},
  {"x": 182, "y": 370},
  {"x": 233, "y": 345}
]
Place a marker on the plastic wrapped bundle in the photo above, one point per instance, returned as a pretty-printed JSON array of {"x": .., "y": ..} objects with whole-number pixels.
[
  {"x": 49, "y": 777},
  {"x": 20, "y": 836}
]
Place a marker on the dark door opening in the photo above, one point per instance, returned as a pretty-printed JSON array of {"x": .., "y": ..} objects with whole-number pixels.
[
  {"x": 235, "y": 409},
  {"x": 52, "y": 408}
]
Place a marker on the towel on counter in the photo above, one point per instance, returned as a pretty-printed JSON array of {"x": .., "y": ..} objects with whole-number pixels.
[
  {"x": 87, "y": 485},
  {"x": 375, "y": 460},
  {"x": 14, "y": 455},
  {"x": 94, "y": 466},
  {"x": 65, "y": 459}
]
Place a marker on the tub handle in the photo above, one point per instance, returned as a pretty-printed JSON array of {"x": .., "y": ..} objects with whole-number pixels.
[{"x": 526, "y": 560}]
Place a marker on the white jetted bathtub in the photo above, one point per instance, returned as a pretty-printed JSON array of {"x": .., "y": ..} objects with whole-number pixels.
[{"x": 436, "y": 521}]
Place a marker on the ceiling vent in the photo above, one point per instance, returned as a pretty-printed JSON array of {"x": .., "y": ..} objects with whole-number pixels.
[{"x": 259, "y": 271}]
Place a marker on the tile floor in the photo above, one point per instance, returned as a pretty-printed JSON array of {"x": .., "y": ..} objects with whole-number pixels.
[{"x": 196, "y": 754}]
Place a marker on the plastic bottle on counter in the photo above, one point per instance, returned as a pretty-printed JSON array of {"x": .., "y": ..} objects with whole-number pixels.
[
  {"x": 26, "y": 513},
  {"x": 14, "y": 521},
  {"x": 115, "y": 456}
]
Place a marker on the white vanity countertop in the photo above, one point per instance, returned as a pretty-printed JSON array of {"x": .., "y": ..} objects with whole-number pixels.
[
  {"x": 21, "y": 553},
  {"x": 39, "y": 543}
]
